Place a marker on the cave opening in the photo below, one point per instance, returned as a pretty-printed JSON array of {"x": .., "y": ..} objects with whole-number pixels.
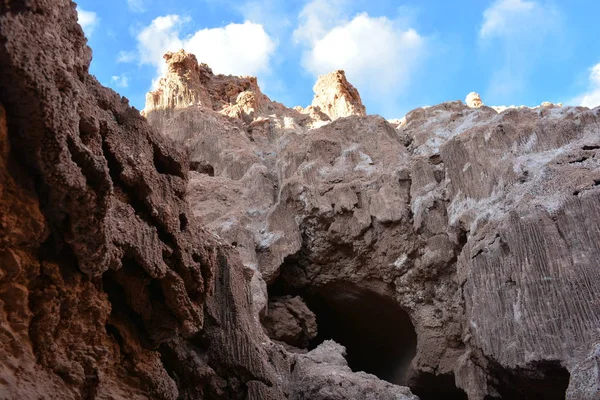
[
  {"x": 378, "y": 334},
  {"x": 547, "y": 380},
  {"x": 430, "y": 386}
]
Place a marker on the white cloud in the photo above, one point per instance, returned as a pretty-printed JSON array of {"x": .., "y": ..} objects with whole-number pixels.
[
  {"x": 499, "y": 18},
  {"x": 121, "y": 81},
  {"x": 237, "y": 49},
  {"x": 88, "y": 20},
  {"x": 591, "y": 98},
  {"x": 379, "y": 55},
  {"x": 159, "y": 37},
  {"x": 240, "y": 49},
  {"x": 136, "y": 5},
  {"x": 517, "y": 36}
]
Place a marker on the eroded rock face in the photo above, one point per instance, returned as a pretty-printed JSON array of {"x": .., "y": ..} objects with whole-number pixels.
[
  {"x": 107, "y": 279},
  {"x": 480, "y": 225},
  {"x": 110, "y": 288},
  {"x": 336, "y": 97}
]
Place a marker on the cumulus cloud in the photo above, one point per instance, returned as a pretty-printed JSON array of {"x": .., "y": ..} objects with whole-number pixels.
[
  {"x": 121, "y": 81},
  {"x": 517, "y": 35},
  {"x": 88, "y": 20},
  {"x": 237, "y": 49},
  {"x": 591, "y": 98},
  {"x": 379, "y": 55}
]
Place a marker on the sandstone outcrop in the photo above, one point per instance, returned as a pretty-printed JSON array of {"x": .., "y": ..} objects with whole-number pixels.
[
  {"x": 449, "y": 243},
  {"x": 336, "y": 97}
]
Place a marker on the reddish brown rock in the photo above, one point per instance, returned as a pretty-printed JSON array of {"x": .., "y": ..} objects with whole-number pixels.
[
  {"x": 109, "y": 286},
  {"x": 289, "y": 320}
]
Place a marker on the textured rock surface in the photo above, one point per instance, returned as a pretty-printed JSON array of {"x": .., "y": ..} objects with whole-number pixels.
[
  {"x": 454, "y": 251},
  {"x": 289, "y": 320},
  {"x": 109, "y": 286},
  {"x": 107, "y": 280},
  {"x": 336, "y": 97},
  {"x": 481, "y": 226}
]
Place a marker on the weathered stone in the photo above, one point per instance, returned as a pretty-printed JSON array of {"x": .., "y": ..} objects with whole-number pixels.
[
  {"x": 336, "y": 97},
  {"x": 289, "y": 320},
  {"x": 454, "y": 213},
  {"x": 453, "y": 251},
  {"x": 109, "y": 286}
]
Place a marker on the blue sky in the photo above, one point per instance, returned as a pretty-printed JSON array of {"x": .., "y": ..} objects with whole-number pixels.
[{"x": 399, "y": 54}]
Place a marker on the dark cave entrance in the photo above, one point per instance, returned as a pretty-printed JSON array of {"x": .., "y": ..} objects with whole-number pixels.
[
  {"x": 543, "y": 380},
  {"x": 432, "y": 387},
  {"x": 378, "y": 334}
]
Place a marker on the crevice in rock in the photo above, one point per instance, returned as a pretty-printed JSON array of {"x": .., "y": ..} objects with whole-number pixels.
[
  {"x": 591, "y": 147},
  {"x": 202, "y": 167},
  {"x": 579, "y": 160},
  {"x": 114, "y": 332},
  {"x": 429, "y": 386},
  {"x": 546, "y": 380},
  {"x": 93, "y": 175},
  {"x": 90, "y": 385},
  {"x": 121, "y": 310},
  {"x": 134, "y": 196},
  {"x": 166, "y": 165}
]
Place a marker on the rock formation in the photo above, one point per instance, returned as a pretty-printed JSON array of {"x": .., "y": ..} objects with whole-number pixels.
[
  {"x": 444, "y": 246},
  {"x": 109, "y": 286},
  {"x": 453, "y": 251},
  {"x": 473, "y": 100},
  {"x": 336, "y": 97}
]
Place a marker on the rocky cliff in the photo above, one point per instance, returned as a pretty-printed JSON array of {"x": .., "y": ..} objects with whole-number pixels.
[
  {"x": 110, "y": 288},
  {"x": 452, "y": 251},
  {"x": 223, "y": 246}
]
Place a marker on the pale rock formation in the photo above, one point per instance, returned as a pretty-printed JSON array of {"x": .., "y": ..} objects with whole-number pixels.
[
  {"x": 473, "y": 100},
  {"x": 336, "y": 97}
]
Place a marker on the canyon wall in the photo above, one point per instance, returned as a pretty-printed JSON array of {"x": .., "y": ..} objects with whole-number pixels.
[
  {"x": 455, "y": 249},
  {"x": 110, "y": 288},
  {"x": 224, "y": 246}
]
